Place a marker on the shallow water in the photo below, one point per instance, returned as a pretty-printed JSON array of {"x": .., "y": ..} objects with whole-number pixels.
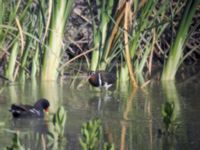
[{"x": 131, "y": 119}]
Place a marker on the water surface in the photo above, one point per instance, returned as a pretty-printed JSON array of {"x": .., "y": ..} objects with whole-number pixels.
[{"x": 131, "y": 119}]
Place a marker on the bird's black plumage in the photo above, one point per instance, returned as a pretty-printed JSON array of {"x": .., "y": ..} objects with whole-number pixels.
[
  {"x": 102, "y": 79},
  {"x": 30, "y": 111}
]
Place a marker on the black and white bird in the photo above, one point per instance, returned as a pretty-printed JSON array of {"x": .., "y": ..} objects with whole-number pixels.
[
  {"x": 102, "y": 79},
  {"x": 37, "y": 110}
]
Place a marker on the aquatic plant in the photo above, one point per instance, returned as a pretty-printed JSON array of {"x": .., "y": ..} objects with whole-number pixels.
[
  {"x": 128, "y": 37},
  {"x": 2, "y": 124},
  {"x": 167, "y": 112},
  {"x": 31, "y": 35},
  {"x": 131, "y": 35},
  {"x": 91, "y": 132},
  {"x": 168, "y": 120},
  {"x": 12, "y": 40},
  {"x": 107, "y": 146},
  {"x": 16, "y": 145},
  {"x": 101, "y": 31},
  {"x": 52, "y": 54},
  {"x": 57, "y": 130},
  {"x": 176, "y": 53}
]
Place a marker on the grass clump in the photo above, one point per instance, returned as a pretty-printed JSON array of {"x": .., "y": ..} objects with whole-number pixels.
[
  {"x": 91, "y": 132},
  {"x": 168, "y": 118},
  {"x": 56, "y": 132},
  {"x": 91, "y": 135},
  {"x": 16, "y": 144}
]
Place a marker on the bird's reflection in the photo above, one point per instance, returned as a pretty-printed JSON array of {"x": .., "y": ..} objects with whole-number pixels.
[
  {"x": 104, "y": 102},
  {"x": 37, "y": 125},
  {"x": 31, "y": 129}
]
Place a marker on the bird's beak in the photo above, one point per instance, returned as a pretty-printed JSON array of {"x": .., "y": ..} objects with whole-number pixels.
[
  {"x": 46, "y": 113},
  {"x": 47, "y": 109}
]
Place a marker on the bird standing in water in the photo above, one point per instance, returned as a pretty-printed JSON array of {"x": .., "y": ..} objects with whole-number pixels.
[
  {"x": 37, "y": 110},
  {"x": 102, "y": 79}
]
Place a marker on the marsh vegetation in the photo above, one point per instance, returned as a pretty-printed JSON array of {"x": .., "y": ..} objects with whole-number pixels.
[{"x": 48, "y": 48}]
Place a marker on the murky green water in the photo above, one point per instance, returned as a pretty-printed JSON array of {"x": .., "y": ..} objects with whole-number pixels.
[{"x": 131, "y": 120}]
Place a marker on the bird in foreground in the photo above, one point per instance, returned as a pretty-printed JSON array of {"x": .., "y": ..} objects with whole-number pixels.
[
  {"x": 102, "y": 79},
  {"x": 37, "y": 110}
]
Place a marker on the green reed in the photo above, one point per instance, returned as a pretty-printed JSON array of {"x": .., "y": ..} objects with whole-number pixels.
[
  {"x": 128, "y": 36},
  {"x": 52, "y": 54},
  {"x": 91, "y": 136},
  {"x": 12, "y": 62},
  {"x": 171, "y": 110},
  {"x": 56, "y": 132},
  {"x": 17, "y": 30},
  {"x": 10, "y": 38},
  {"x": 102, "y": 41},
  {"x": 148, "y": 24},
  {"x": 132, "y": 34},
  {"x": 176, "y": 53},
  {"x": 16, "y": 144},
  {"x": 91, "y": 132},
  {"x": 167, "y": 113},
  {"x": 31, "y": 37}
]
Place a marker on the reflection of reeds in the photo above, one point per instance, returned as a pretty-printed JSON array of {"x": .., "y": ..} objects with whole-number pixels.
[
  {"x": 124, "y": 125},
  {"x": 53, "y": 92},
  {"x": 43, "y": 141},
  {"x": 171, "y": 110},
  {"x": 16, "y": 144},
  {"x": 13, "y": 96}
]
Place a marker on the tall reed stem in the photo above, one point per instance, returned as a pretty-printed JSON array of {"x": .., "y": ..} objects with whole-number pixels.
[
  {"x": 174, "y": 59},
  {"x": 52, "y": 55}
]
